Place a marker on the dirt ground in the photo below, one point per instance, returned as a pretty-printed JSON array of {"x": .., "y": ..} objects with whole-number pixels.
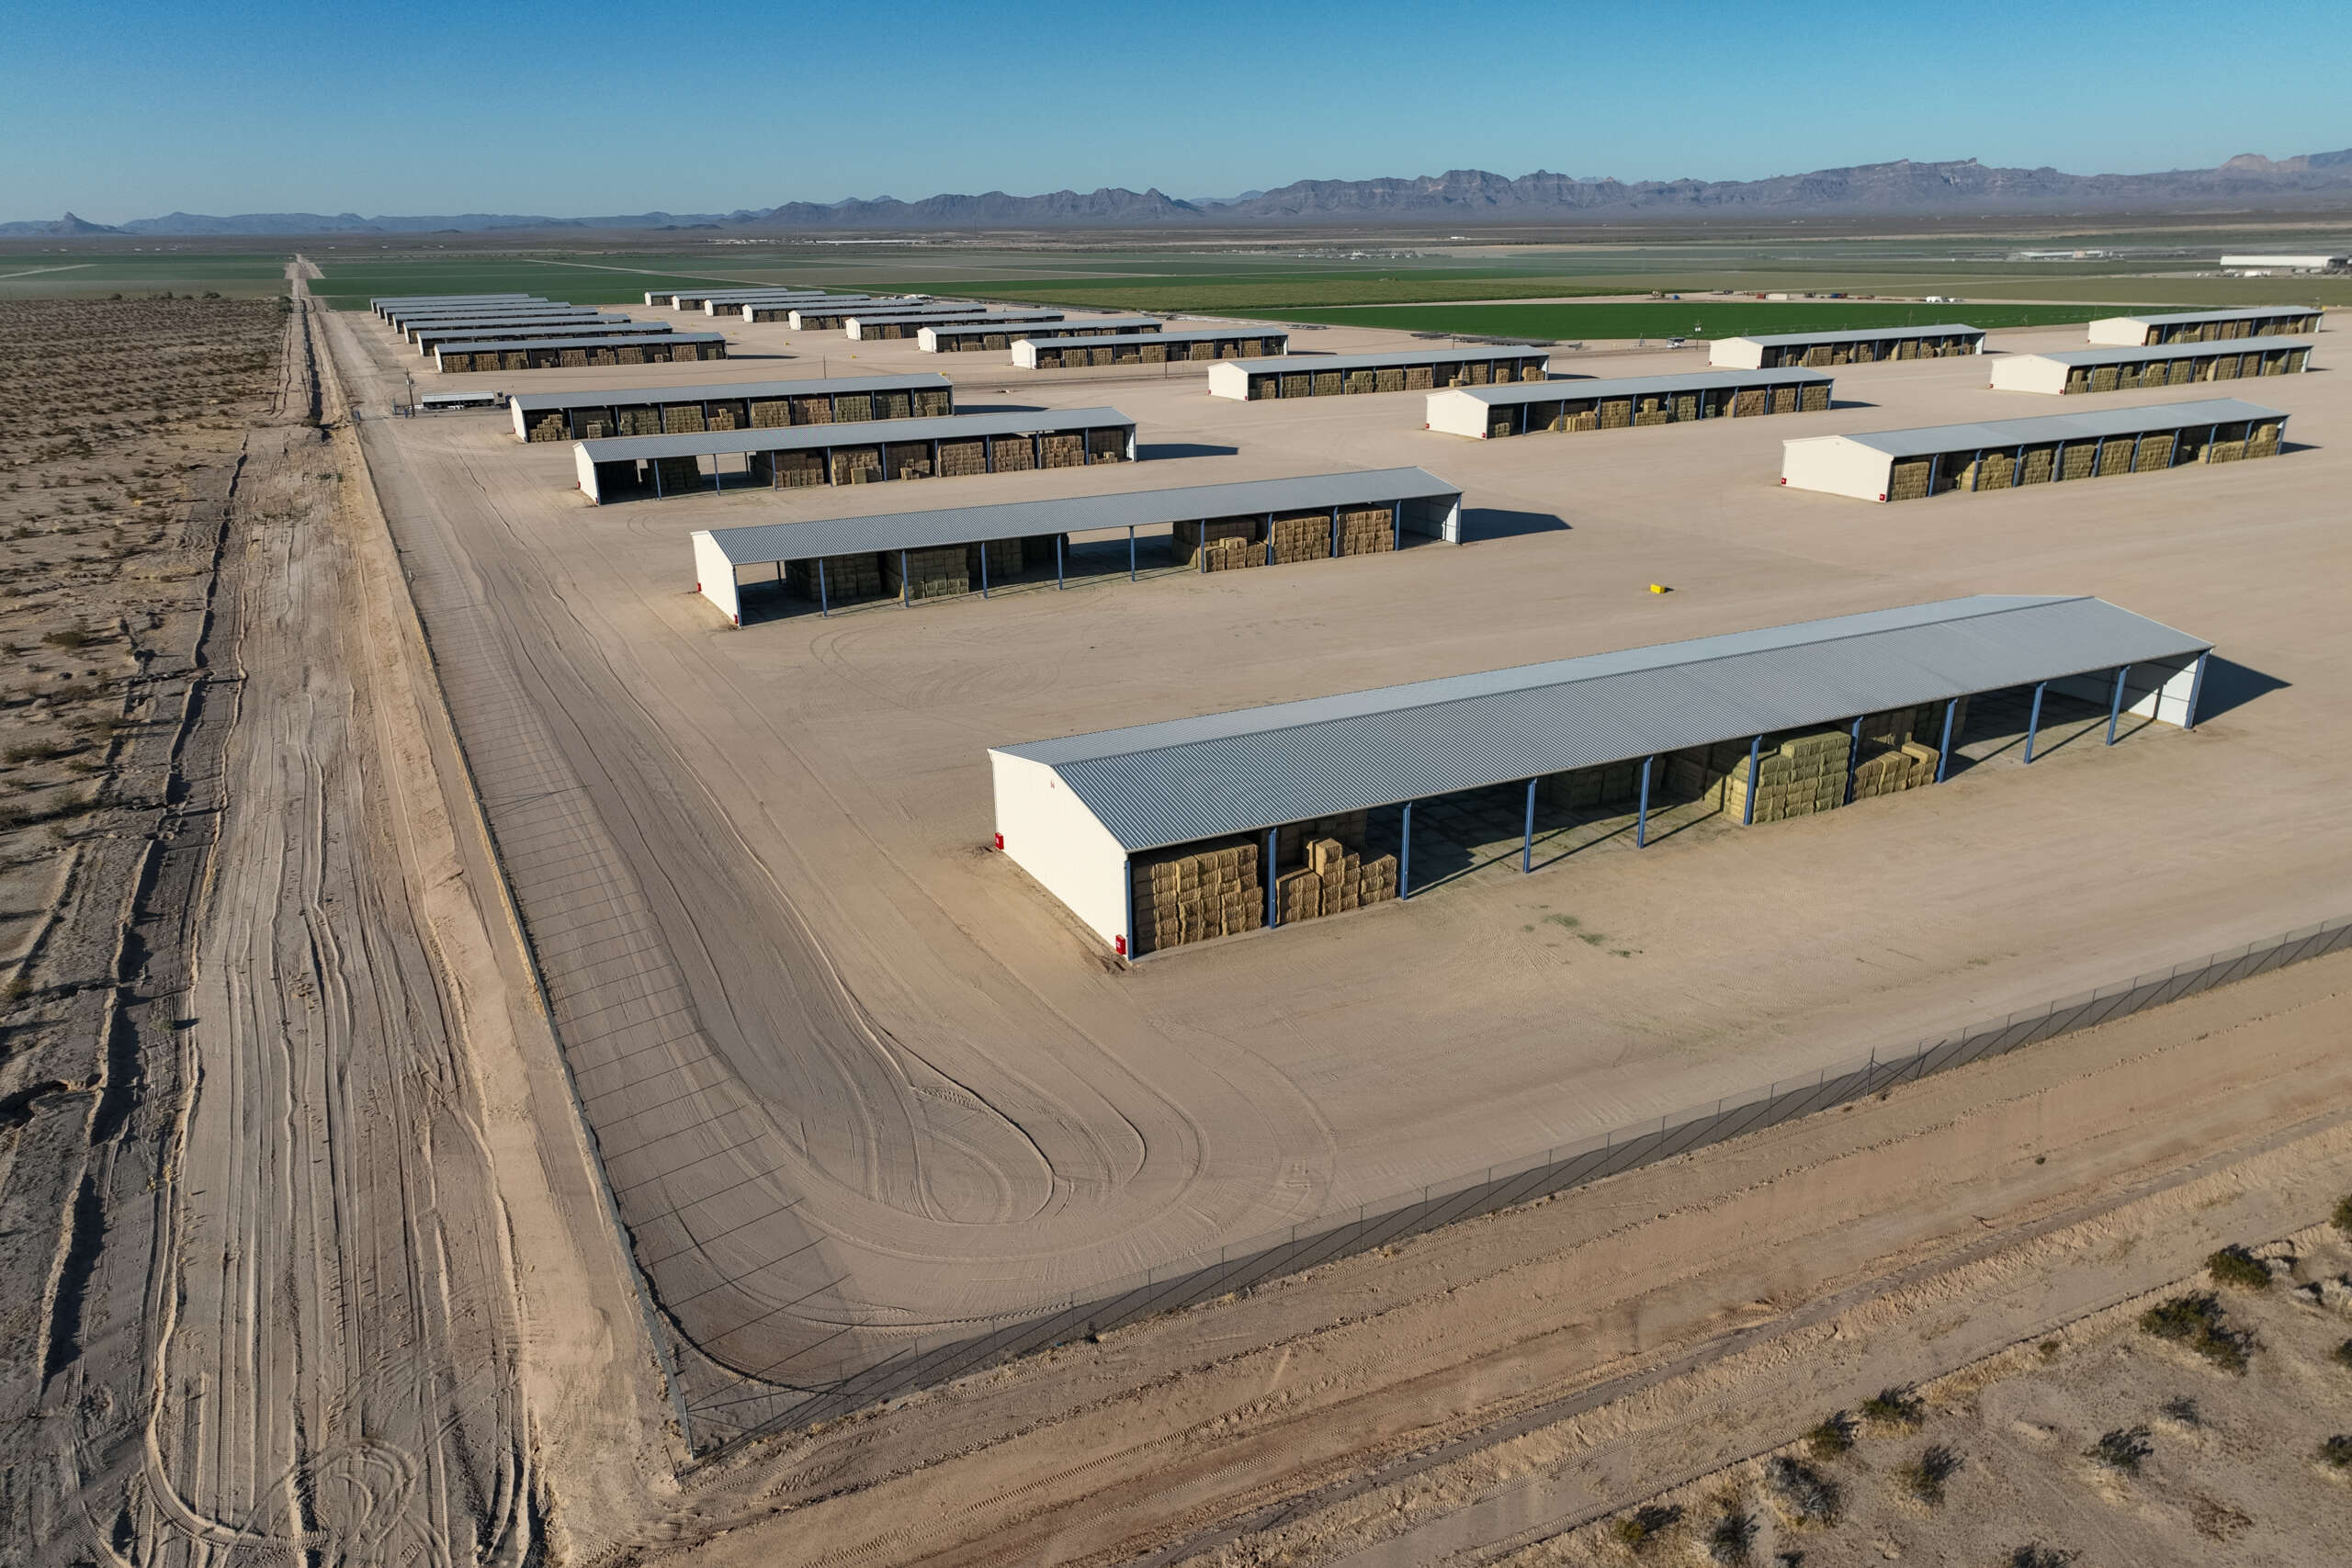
[{"x": 824, "y": 1145}]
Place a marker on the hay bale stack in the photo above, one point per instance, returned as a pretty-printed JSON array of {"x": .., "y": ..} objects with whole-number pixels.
[
  {"x": 1750, "y": 400},
  {"x": 1616, "y": 413},
  {"x": 1328, "y": 383},
  {"x": 816, "y": 410},
  {"x": 926, "y": 574},
  {"x": 1011, "y": 454},
  {"x": 2262, "y": 441},
  {"x": 1302, "y": 536},
  {"x": 797, "y": 470},
  {"x": 675, "y": 473},
  {"x": 1291, "y": 839},
  {"x": 1333, "y": 880},
  {"x": 1419, "y": 378},
  {"x": 1612, "y": 784},
  {"x": 1107, "y": 446},
  {"x": 1909, "y": 479},
  {"x": 1211, "y": 891},
  {"x": 1229, "y": 544},
  {"x": 846, "y": 577},
  {"x": 2038, "y": 466},
  {"x": 1367, "y": 531},
  {"x": 1064, "y": 450},
  {"x": 893, "y": 405},
  {"x": 1005, "y": 558},
  {"x": 857, "y": 464},
  {"x": 1892, "y": 769},
  {"x": 966, "y": 457},
  {"x": 908, "y": 460},
  {"x": 853, "y": 407},
  {"x": 2115, "y": 457},
  {"x": 2075, "y": 460},
  {"x": 931, "y": 402},
  {"x": 772, "y": 413},
  {"x": 1801, "y": 775},
  {"x": 549, "y": 426},
  {"x": 1816, "y": 399},
  {"x": 1298, "y": 384},
  {"x": 1392, "y": 379},
  {"x": 681, "y": 418}
]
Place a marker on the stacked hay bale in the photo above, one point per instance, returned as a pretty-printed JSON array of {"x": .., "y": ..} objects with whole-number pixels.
[
  {"x": 1011, "y": 454},
  {"x": 1302, "y": 536},
  {"x": 926, "y": 574},
  {"x": 796, "y": 470},
  {"x": 1220, "y": 544},
  {"x": 1910, "y": 478},
  {"x": 2115, "y": 456},
  {"x": 846, "y": 577},
  {"x": 1784, "y": 400},
  {"x": 1334, "y": 880},
  {"x": 1107, "y": 446},
  {"x": 967, "y": 456},
  {"x": 1065, "y": 449},
  {"x": 1652, "y": 408},
  {"x": 2262, "y": 440},
  {"x": 771, "y": 413},
  {"x": 853, "y": 407},
  {"x": 1610, "y": 784},
  {"x": 1616, "y": 413},
  {"x": 641, "y": 422},
  {"x": 1801, "y": 775},
  {"x": 681, "y": 418},
  {"x": 1291, "y": 839},
  {"x": 676, "y": 474},
  {"x": 908, "y": 460},
  {"x": 1300, "y": 384},
  {"x": 2040, "y": 464},
  {"x": 549, "y": 426},
  {"x": 1212, "y": 890},
  {"x": 857, "y": 464},
  {"x": 1894, "y": 770},
  {"x": 931, "y": 402},
  {"x": 1419, "y": 378},
  {"x": 1367, "y": 531},
  {"x": 893, "y": 405},
  {"x": 816, "y": 410},
  {"x": 1816, "y": 399},
  {"x": 1749, "y": 400},
  {"x": 1005, "y": 558}
]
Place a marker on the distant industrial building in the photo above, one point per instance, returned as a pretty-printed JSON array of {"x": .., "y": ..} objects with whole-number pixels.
[
  {"x": 876, "y": 326},
  {"x": 964, "y": 549},
  {"x": 1624, "y": 402},
  {"x": 1905, "y": 465},
  {"x": 999, "y": 334},
  {"x": 2128, "y": 369},
  {"x": 648, "y": 465},
  {"x": 1176, "y": 832},
  {"x": 592, "y": 413},
  {"x": 1866, "y": 345},
  {"x": 1412, "y": 370},
  {"x": 2207, "y": 326},
  {"x": 580, "y": 353},
  {"x": 2260, "y": 266},
  {"x": 1148, "y": 348}
]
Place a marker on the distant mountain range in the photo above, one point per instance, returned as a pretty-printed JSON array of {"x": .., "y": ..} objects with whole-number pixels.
[{"x": 1463, "y": 198}]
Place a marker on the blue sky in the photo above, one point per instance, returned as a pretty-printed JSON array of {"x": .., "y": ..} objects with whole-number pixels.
[{"x": 125, "y": 110}]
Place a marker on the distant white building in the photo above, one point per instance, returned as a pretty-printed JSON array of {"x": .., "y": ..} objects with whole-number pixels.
[{"x": 2286, "y": 263}]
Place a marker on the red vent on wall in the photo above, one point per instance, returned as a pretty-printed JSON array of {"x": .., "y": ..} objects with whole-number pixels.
[
  {"x": 1000, "y": 840},
  {"x": 1119, "y": 945}
]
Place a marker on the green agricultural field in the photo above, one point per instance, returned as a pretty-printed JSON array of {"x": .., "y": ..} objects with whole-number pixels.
[
  {"x": 27, "y": 270},
  {"x": 623, "y": 280},
  {"x": 1691, "y": 317}
]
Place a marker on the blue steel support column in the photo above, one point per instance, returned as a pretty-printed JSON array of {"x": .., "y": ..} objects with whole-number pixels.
[
  {"x": 903, "y": 600},
  {"x": 657, "y": 477},
  {"x": 1853, "y": 760},
  {"x": 1274, "y": 916},
  {"x": 2115, "y": 707},
  {"x": 716, "y": 461},
  {"x": 1943, "y": 750},
  {"x": 2033, "y": 720},
  {"x": 1057, "y": 562},
  {"x": 1397, "y": 540},
  {"x": 1642, "y": 814},
  {"x": 2196, "y": 690},
  {"x": 1405, "y": 856},
  {"x": 1131, "y": 552},
  {"x": 1755, "y": 766},
  {"x": 1527, "y": 852},
  {"x": 824, "y": 600},
  {"x": 1270, "y": 538},
  {"x": 1335, "y": 533},
  {"x": 984, "y": 568},
  {"x": 1130, "y": 885}
]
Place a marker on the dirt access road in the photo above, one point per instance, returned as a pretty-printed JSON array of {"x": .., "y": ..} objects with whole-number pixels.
[{"x": 302, "y": 1318}]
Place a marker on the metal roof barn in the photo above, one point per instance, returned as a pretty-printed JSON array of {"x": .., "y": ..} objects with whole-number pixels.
[
  {"x": 948, "y": 338},
  {"x": 1415, "y": 370},
  {"x": 2205, "y": 326},
  {"x": 1072, "y": 811},
  {"x": 414, "y": 325},
  {"x": 424, "y": 334},
  {"x": 1421, "y": 503},
  {"x": 1905, "y": 465},
  {"x": 534, "y": 353},
  {"x": 2166, "y": 365},
  {"x": 1623, "y": 402},
  {"x": 1253, "y": 343},
  {"x": 531, "y": 308},
  {"x": 1862, "y": 345},
  {"x": 383, "y": 302},
  {"x": 868, "y": 326},
  {"x": 609, "y": 406},
  {"x": 600, "y": 463}
]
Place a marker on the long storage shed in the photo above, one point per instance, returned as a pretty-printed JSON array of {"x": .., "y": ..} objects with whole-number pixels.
[
  {"x": 630, "y": 466},
  {"x": 947, "y": 338},
  {"x": 429, "y": 338},
  {"x": 930, "y": 554},
  {"x": 695, "y": 298},
  {"x": 870, "y": 326},
  {"x": 2206, "y": 326},
  {"x": 573, "y": 353},
  {"x": 1175, "y": 832},
  {"x": 407, "y": 319},
  {"x": 593, "y": 414},
  {"x": 825, "y": 313},
  {"x": 2130, "y": 369},
  {"x": 1904, "y": 464},
  {"x": 781, "y": 310},
  {"x": 1622, "y": 402},
  {"x": 1866, "y": 345},
  {"x": 1413, "y": 370},
  {"x": 410, "y": 329},
  {"x": 1149, "y": 348},
  {"x": 383, "y": 303}
]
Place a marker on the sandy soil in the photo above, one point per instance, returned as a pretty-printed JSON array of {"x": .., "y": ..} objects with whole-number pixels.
[{"x": 824, "y": 1144}]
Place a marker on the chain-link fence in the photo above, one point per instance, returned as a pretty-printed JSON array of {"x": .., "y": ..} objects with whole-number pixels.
[{"x": 821, "y": 1392}]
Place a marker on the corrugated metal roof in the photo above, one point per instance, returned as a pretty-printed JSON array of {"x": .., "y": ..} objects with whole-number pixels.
[
  {"x": 1221, "y": 335},
  {"x": 1198, "y": 778},
  {"x": 1068, "y": 324},
  {"x": 748, "y": 294},
  {"x": 918, "y": 312},
  {"x": 489, "y": 308},
  {"x": 714, "y": 391},
  {"x": 2086, "y": 426},
  {"x": 616, "y": 326},
  {"x": 2244, "y": 313},
  {"x": 1581, "y": 387},
  {"x": 378, "y": 301},
  {"x": 536, "y": 343},
  {"x": 762, "y": 544},
  {"x": 1295, "y": 363},
  {"x": 1858, "y": 334},
  {"x": 2125, "y": 355},
  {"x": 947, "y": 427}
]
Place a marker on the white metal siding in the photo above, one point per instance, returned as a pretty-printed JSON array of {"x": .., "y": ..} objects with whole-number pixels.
[
  {"x": 2028, "y": 373},
  {"x": 1455, "y": 413},
  {"x": 1834, "y": 464},
  {"x": 1049, "y": 833},
  {"x": 1230, "y": 379},
  {"x": 1736, "y": 354},
  {"x": 715, "y": 577}
]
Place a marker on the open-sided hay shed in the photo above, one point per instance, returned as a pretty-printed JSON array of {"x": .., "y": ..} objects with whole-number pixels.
[
  {"x": 1410, "y": 370},
  {"x": 1618, "y": 403},
  {"x": 1866, "y": 345},
  {"x": 2131, "y": 369}
]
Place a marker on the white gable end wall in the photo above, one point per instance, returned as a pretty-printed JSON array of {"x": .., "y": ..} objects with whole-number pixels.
[{"x": 1050, "y": 834}]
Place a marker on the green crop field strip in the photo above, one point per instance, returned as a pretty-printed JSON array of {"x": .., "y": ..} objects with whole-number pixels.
[
  {"x": 25, "y": 270},
  {"x": 1691, "y": 317}
]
